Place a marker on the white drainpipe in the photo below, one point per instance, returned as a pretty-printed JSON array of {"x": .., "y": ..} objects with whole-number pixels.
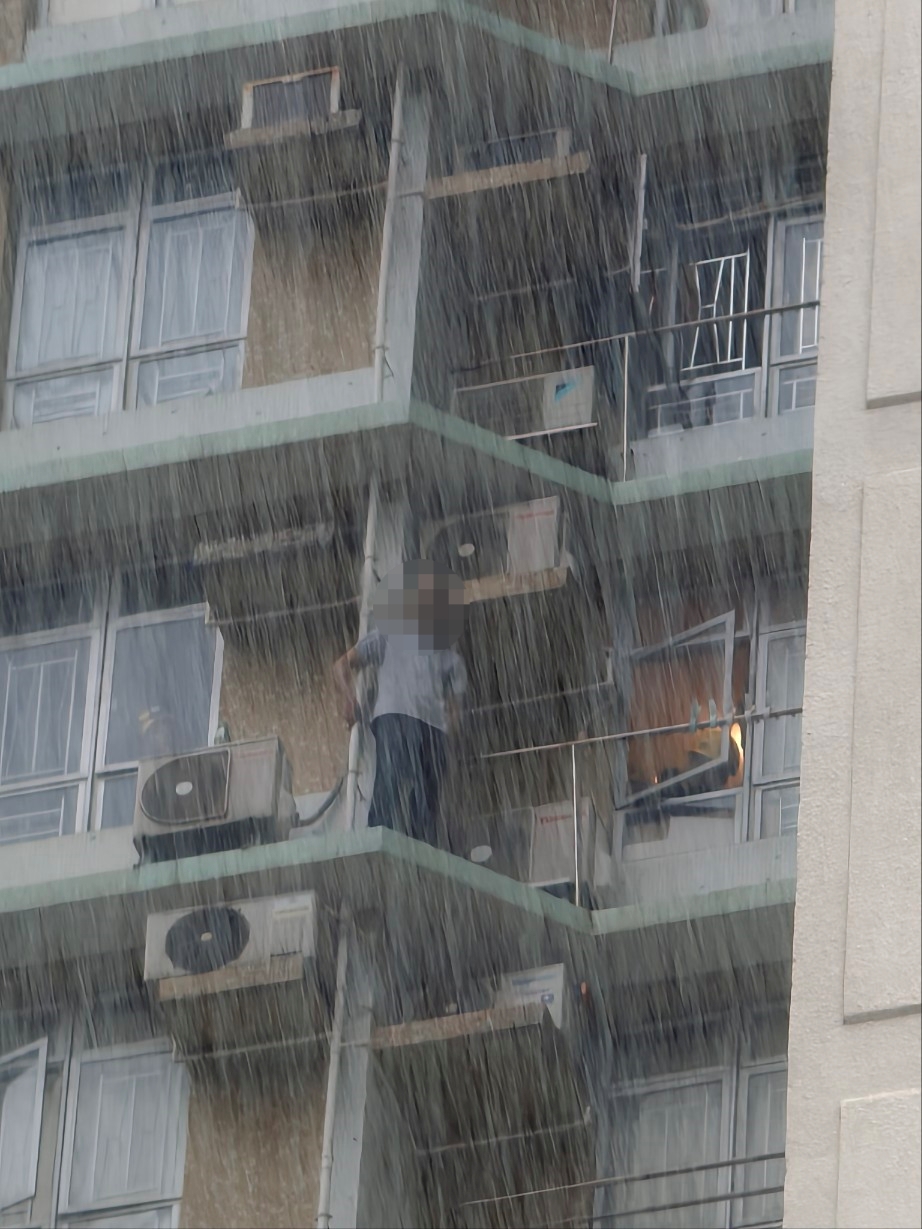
[{"x": 342, "y": 960}]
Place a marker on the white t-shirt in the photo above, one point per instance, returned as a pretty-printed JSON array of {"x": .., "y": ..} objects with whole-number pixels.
[{"x": 411, "y": 681}]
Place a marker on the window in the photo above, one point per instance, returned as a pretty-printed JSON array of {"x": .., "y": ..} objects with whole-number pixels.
[
  {"x": 78, "y": 260},
  {"x": 776, "y": 759},
  {"x": 673, "y": 1125},
  {"x": 125, "y": 1132},
  {"x": 22, "y": 1085},
  {"x": 795, "y": 334},
  {"x": 160, "y": 683},
  {"x": 761, "y": 1128},
  {"x": 684, "y": 681},
  {"x": 45, "y": 717},
  {"x": 153, "y": 694},
  {"x": 685, "y": 1123}
]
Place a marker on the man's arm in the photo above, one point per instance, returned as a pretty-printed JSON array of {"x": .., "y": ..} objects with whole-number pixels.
[{"x": 344, "y": 672}]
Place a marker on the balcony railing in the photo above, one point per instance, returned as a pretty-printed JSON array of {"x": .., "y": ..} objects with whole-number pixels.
[
  {"x": 713, "y": 801},
  {"x": 711, "y": 1203},
  {"x": 647, "y": 384}
]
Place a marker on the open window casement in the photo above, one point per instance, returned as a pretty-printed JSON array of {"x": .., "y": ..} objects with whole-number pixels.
[
  {"x": 685, "y": 681},
  {"x": 22, "y": 1086},
  {"x": 126, "y": 1130}
]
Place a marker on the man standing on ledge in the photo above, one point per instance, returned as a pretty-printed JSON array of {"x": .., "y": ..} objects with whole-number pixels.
[{"x": 417, "y": 683}]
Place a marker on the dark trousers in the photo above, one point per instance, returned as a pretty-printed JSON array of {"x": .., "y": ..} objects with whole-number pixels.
[{"x": 409, "y": 770}]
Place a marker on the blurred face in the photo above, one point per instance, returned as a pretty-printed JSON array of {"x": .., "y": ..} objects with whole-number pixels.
[{"x": 421, "y": 605}]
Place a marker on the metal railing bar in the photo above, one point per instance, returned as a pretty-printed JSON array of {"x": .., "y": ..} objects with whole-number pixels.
[
  {"x": 723, "y": 1197},
  {"x": 624, "y": 1179},
  {"x": 634, "y": 334},
  {"x": 684, "y": 728}
]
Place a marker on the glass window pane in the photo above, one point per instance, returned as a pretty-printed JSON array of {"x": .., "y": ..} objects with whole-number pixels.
[
  {"x": 83, "y": 395},
  {"x": 784, "y": 688},
  {"x": 81, "y": 194},
  {"x": 122, "y": 1131},
  {"x": 668, "y": 1129},
  {"x": 189, "y": 375},
  {"x": 803, "y": 250},
  {"x": 779, "y": 811},
  {"x": 161, "y": 690},
  {"x": 40, "y": 814},
  {"x": 118, "y": 796},
  {"x": 194, "y": 284},
  {"x": 21, "y": 1078},
  {"x": 796, "y": 388},
  {"x": 42, "y": 703},
  {"x": 766, "y": 1107},
  {"x": 70, "y": 299}
]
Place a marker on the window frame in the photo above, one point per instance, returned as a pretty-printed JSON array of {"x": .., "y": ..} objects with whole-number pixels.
[
  {"x": 728, "y": 620},
  {"x": 41, "y": 1049},
  {"x": 762, "y": 710},
  {"x": 103, "y": 772},
  {"x": 124, "y": 219},
  {"x": 150, "y": 214},
  {"x": 93, "y": 633},
  {"x": 776, "y": 362},
  {"x": 177, "y": 1128},
  {"x": 747, "y": 1070},
  {"x": 726, "y": 1074},
  {"x": 134, "y": 220}
]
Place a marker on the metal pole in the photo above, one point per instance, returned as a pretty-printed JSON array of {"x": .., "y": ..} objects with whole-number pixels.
[
  {"x": 640, "y": 203},
  {"x": 611, "y": 32},
  {"x": 336, "y": 1047},
  {"x": 624, "y": 406},
  {"x": 576, "y": 867}
]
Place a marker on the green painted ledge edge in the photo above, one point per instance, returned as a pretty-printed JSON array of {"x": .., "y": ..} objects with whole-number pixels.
[
  {"x": 405, "y": 854},
  {"x": 593, "y": 66}
]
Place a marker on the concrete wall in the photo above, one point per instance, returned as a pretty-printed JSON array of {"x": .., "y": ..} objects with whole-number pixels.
[
  {"x": 312, "y": 296},
  {"x": 853, "y": 1135},
  {"x": 254, "y": 1141},
  {"x": 288, "y": 691},
  {"x": 14, "y": 20}
]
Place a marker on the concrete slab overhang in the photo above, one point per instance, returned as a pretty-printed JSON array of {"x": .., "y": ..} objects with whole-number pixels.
[
  {"x": 139, "y": 66},
  {"x": 92, "y": 479},
  {"x": 444, "y": 907}
]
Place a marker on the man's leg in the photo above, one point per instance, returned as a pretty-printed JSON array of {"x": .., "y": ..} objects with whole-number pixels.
[
  {"x": 390, "y": 770},
  {"x": 429, "y": 768}
]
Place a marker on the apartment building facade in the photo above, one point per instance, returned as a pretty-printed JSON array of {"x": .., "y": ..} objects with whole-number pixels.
[{"x": 290, "y": 296}]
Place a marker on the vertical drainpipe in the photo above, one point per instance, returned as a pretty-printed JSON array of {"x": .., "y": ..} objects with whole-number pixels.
[{"x": 371, "y": 524}]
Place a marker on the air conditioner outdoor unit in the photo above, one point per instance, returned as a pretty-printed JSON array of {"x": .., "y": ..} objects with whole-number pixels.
[
  {"x": 221, "y": 798},
  {"x": 298, "y": 97},
  {"x": 536, "y": 845},
  {"x": 218, "y": 948},
  {"x": 496, "y": 550},
  {"x": 533, "y": 405},
  {"x": 514, "y": 150}
]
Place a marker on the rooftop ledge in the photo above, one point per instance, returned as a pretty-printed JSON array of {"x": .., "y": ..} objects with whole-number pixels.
[{"x": 422, "y": 889}]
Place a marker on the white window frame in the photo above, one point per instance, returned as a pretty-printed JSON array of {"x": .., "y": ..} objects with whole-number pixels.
[
  {"x": 727, "y": 622},
  {"x": 746, "y": 1072},
  {"x": 124, "y": 219},
  {"x": 727, "y": 1076},
  {"x": 92, "y": 632},
  {"x": 40, "y": 1049},
  {"x": 177, "y": 1115},
  {"x": 762, "y": 710},
  {"x": 116, "y": 622},
  {"x": 806, "y": 356},
  {"x": 135, "y": 221},
  {"x": 230, "y": 201}
]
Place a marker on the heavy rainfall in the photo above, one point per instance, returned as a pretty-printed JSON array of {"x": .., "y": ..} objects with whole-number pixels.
[{"x": 407, "y": 482}]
